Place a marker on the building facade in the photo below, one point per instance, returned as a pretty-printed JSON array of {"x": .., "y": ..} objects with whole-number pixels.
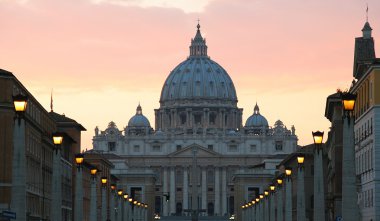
[
  {"x": 367, "y": 124},
  {"x": 198, "y": 125},
  {"x": 35, "y": 165}
]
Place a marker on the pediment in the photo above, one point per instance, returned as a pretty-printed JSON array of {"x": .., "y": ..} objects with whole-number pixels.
[{"x": 188, "y": 152}]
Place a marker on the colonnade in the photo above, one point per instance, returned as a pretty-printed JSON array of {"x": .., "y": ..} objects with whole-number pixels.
[{"x": 219, "y": 189}]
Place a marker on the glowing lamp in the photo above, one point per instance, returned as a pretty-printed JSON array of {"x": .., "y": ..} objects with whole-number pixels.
[
  {"x": 300, "y": 159},
  {"x": 120, "y": 192},
  {"x": 93, "y": 171},
  {"x": 57, "y": 138},
  {"x": 288, "y": 171},
  {"x": 266, "y": 193},
  {"x": 104, "y": 180},
  {"x": 279, "y": 181},
  {"x": 348, "y": 101},
  {"x": 79, "y": 158},
  {"x": 130, "y": 200},
  {"x": 261, "y": 196},
  {"x": 113, "y": 187},
  {"x": 20, "y": 102},
  {"x": 272, "y": 188},
  {"x": 257, "y": 200},
  {"x": 318, "y": 137},
  {"x": 125, "y": 196}
]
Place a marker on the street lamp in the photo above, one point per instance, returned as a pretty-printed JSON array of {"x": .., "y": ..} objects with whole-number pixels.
[
  {"x": 288, "y": 194},
  {"x": 18, "y": 200},
  {"x": 112, "y": 202},
  {"x": 104, "y": 181},
  {"x": 266, "y": 205},
  {"x": 57, "y": 138},
  {"x": 301, "y": 214},
  {"x": 272, "y": 212},
  {"x": 349, "y": 206},
  {"x": 319, "y": 191},
  {"x": 93, "y": 202},
  {"x": 79, "y": 158},
  {"x": 280, "y": 211}
]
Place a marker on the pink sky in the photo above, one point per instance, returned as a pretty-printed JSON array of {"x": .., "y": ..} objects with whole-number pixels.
[{"x": 103, "y": 57}]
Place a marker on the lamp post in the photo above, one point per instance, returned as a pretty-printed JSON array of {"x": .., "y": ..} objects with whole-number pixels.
[
  {"x": 18, "y": 200},
  {"x": 261, "y": 196},
  {"x": 257, "y": 217},
  {"x": 119, "y": 205},
  {"x": 125, "y": 207},
  {"x": 78, "y": 216},
  {"x": 280, "y": 211},
  {"x": 301, "y": 189},
  {"x": 349, "y": 206},
  {"x": 104, "y": 198},
  {"x": 112, "y": 203},
  {"x": 272, "y": 201},
  {"x": 130, "y": 204},
  {"x": 266, "y": 205},
  {"x": 319, "y": 191},
  {"x": 134, "y": 205},
  {"x": 93, "y": 199},
  {"x": 56, "y": 213},
  {"x": 146, "y": 212},
  {"x": 288, "y": 194}
]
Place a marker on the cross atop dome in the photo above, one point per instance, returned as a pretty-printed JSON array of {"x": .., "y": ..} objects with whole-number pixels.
[{"x": 198, "y": 45}]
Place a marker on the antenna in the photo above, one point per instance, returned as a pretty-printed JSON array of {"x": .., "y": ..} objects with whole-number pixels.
[{"x": 367, "y": 13}]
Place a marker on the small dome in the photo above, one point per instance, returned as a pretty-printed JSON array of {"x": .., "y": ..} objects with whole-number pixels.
[
  {"x": 256, "y": 120},
  {"x": 139, "y": 120}
]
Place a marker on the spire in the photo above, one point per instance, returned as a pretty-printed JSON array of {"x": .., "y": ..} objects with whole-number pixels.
[
  {"x": 367, "y": 30},
  {"x": 198, "y": 45},
  {"x": 139, "y": 110},
  {"x": 256, "y": 110},
  {"x": 51, "y": 101}
]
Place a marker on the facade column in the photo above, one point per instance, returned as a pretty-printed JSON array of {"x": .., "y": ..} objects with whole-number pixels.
[
  {"x": 104, "y": 203},
  {"x": 185, "y": 188},
  {"x": 78, "y": 216},
  {"x": 204, "y": 190},
  {"x": 280, "y": 211},
  {"x": 93, "y": 200},
  {"x": 301, "y": 216},
  {"x": 266, "y": 208},
  {"x": 349, "y": 205},
  {"x": 18, "y": 200},
  {"x": 56, "y": 213},
  {"x": 217, "y": 192},
  {"x": 288, "y": 197},
  {"x": 319, "y": 191},
  {"x": 165, "y": 191},
  {"x": 224, "y": 191},
  {"x": 172, "y": 200}
]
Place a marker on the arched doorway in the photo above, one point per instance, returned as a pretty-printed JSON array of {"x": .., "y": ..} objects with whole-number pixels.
[
  {"x": 178, "y": 209},
  {"x": 210, "y": 209}
]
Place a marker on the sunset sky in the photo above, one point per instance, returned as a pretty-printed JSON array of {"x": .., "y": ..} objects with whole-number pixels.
[{"x": 103, "y": 57}]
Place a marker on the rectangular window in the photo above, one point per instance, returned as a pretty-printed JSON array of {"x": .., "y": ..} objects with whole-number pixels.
[
  {"x": 278, "y": 145},
  {"x": 111, "y": 146},
  {"x": 179, "y": 147},
  {"x": 210, "y": 147},
  {"x": 136, "y": 148},
  {"x": 253, "y": 148},
  {"x": 232, "y": 148},
  {"x": 156, "y": 148}
]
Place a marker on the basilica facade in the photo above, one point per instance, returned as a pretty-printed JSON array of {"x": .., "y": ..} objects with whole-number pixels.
[{"x": 199, "y": 153}]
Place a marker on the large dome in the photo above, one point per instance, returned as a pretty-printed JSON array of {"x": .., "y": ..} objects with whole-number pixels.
[{"x": 198, "y": 77}]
